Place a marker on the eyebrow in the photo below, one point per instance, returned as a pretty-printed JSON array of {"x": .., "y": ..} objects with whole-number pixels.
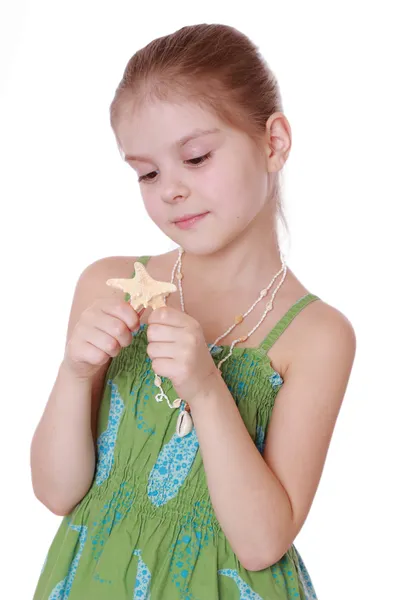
[{"x": 180, "y": 143}]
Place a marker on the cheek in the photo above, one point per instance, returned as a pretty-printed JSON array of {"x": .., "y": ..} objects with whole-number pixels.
[
  {"x": 232, "y": 189},
  {"x": 241, "y": 205},
  {"x": 152, "y": 205},
  {"x": 234, "y": 177},
  {"x": 220, "y": 187}
]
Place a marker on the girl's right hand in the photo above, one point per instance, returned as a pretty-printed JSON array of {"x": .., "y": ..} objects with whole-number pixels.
[{"x": 101, "y": 332}]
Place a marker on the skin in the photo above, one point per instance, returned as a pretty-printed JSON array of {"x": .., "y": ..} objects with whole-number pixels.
[
  {"x": 238, "y": 235},
  {"x": 260, "y": 501}
]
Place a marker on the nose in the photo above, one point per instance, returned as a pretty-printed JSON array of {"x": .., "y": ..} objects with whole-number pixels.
[{"x": 174, "y": 191}]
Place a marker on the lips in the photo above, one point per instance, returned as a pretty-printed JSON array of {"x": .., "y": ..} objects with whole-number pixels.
[
  {"x": 188, "y": 217},
  {"x": 190, "y": 221}
]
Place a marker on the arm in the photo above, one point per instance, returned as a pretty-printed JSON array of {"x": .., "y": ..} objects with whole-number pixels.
[
  {"x": 62, "y": 449},
  {"x": 63, "y": 445},
  {"x": 262, "y": 502}
]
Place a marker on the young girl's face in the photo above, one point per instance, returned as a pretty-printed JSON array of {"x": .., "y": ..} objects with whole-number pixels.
[{"x": 189, "y": 163}]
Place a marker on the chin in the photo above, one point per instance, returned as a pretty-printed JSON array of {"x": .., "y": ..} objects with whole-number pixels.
[
  {"x": 201, "y": 246},
  {"x": 203, "y": 243}
]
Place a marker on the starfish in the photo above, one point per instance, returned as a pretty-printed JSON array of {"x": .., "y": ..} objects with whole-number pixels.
[{"x": 143, "y": 289}]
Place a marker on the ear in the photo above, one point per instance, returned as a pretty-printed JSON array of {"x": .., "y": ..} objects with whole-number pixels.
[{"x": 278, "y": 141}]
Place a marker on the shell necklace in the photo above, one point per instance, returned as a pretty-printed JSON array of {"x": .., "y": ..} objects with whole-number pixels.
[{"x": 184, "y": 423}]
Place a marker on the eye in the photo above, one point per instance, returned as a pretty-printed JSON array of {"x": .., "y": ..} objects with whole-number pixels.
[
  {"x": 196, "y": 162},
  {"x": 146, "y": 177},
  {"x": 202, "y": 159}
]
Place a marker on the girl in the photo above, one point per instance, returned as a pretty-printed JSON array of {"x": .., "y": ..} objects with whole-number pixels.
[{"x": 185, "y": 467}]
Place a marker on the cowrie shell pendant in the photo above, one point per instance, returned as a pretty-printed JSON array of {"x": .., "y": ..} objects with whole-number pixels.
[{"x": 184, "y": 424}]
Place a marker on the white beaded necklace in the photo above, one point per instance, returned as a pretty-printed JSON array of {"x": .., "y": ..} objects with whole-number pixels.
[{"x": 185, "y": 423}]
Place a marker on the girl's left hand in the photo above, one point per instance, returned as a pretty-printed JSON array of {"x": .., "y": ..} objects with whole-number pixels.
[{"x": 179, "y": 352}]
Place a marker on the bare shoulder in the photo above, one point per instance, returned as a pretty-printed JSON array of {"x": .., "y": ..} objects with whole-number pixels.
[
  {"x": 319, "y": 326},
  {"x": 324, "y": 347},
  {"x": 91, "y": 284},
  {"x": 107, "y": 267},
  {"x": 123, "y": 266},
  {"x": 325, "y": 333}
]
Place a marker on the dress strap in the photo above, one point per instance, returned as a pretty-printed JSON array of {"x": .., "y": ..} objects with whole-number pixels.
[
  {"x": 280, "y": 327},
  {"x": 144, "y": 260}
]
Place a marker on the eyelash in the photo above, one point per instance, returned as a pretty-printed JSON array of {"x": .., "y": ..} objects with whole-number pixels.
[{"x": 204, "y": 158}]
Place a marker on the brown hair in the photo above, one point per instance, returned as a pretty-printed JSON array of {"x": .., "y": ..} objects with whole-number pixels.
[{"x": 214, "y": 65}]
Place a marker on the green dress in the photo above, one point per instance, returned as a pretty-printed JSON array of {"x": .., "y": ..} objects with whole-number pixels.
[{"x": 146, "y": 529}]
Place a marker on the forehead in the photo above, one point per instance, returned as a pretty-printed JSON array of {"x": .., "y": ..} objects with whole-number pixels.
[{"x": 156, "y": 126}]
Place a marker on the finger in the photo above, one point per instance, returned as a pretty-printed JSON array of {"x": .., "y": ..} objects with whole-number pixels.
[
  {"x": 161, "y": 333},
  {"x": 94, "y": 355},
  {"x": 169, "y": 316},
  {"x": 164, "y": 367},
  {"x": 103, "y": 341},
  {"x": 114, "y": 327},
  {"x": 90, "y": 354},
  {"x": 161, "y": 350},
  {"x": 123, "y": 311}
]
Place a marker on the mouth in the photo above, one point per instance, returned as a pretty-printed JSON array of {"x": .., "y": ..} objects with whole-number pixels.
[{"x": 189, "y": 220}]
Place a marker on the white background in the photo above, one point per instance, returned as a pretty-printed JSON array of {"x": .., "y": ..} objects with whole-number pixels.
[{"x": 65, "y": 190}]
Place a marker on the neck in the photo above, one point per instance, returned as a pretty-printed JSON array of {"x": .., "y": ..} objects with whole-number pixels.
[{"x": 252, "y": 264}]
